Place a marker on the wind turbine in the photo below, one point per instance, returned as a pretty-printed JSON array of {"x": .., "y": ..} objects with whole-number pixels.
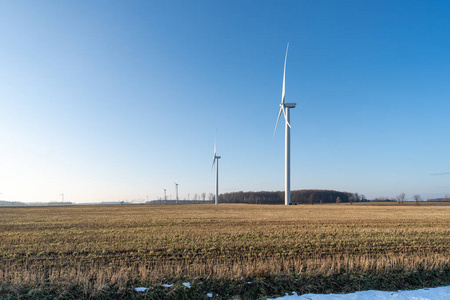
[
  {"x": 216, "y": 158},
  {"x": 284, "y": 108},
  {"x": 176, "y": 190},
  {"x": 165, "y": 197}
]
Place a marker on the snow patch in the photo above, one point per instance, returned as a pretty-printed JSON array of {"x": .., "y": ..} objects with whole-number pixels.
[
  {"x": 187, "y": 284},
  {"x": 209, "y": 295},
  {"x": 167, "y": 285},
  {"x": 440, "y": 293},
  {"x": 141, "y": 289}
]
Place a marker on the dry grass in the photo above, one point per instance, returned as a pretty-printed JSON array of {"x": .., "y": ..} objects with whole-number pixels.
[{"x": 102, "y": 247}]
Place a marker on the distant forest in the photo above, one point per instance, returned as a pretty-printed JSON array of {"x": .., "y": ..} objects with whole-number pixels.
[
  {"x": 297, "y": 197},
  {"x": 12, "y": 203}
]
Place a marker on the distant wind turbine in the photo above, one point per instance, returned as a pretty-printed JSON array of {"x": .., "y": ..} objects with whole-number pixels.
[
  {"x": 165, "y": 197},
  {"x": 284, "y": 108},
  {"x": 62, "y": 197},
  {"x": 216, "y": 158},
  {"x": 176, "y": 190}
]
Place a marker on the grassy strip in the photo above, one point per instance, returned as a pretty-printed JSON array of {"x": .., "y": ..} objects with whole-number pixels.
[{"x": 248, "y": 288}]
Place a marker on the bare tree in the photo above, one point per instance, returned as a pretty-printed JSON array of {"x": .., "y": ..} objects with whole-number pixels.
[
  {"x": 401, "y": 198},
  {"x": 417, "y": 198},
  {"x": 312, "y": 198},
  {"x": 211, "y": 197},
  {"x": 203, "y": 197},
  {"x": 351, "y": 199},
  {"x": 338, "y": 200}
]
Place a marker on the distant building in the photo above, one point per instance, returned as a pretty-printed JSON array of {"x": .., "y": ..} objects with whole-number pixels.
[{"x": 439, "y": 200}]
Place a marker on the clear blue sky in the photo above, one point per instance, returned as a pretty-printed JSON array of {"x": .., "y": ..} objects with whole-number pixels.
[{"x": 115, "y": 100}]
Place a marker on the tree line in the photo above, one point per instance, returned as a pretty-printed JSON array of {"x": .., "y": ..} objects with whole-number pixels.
[{"x": 297, "y": 197}]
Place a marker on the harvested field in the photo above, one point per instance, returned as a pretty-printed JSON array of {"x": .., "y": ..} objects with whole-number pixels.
[{"x": 93, "y": 251}]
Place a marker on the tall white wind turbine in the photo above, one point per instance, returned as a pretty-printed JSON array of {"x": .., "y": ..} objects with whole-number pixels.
[
  {"x": 176, "y": 190},
  {"x": 284, "y": 108},
  {"x": 216, "y": 158},
  {"x": 165, "y": 196}
]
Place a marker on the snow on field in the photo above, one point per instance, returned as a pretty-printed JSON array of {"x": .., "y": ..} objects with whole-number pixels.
[{"x": 440, "y": 293}]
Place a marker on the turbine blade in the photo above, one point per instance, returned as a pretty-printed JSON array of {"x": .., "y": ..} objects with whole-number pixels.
[
  {"x": 285, "y": 118},
  {"x": 288, "y": 124},
  {"x": 214, "y": 157},
  {"x": 278, "y": 119},
  {"x": 214, "y": 162},
  {"x": 283, "y": 93}
]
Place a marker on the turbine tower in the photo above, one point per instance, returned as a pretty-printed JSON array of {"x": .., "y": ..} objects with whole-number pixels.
[
  {"x": 284, "y": 108},
  {"x": 176, "y": 190},
  {"x": 165, "y": 197},
  {"x": 216, "y": 158}
]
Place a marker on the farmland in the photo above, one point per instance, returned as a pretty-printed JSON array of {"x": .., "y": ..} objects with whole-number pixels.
[{"x": 99, "y": 251}]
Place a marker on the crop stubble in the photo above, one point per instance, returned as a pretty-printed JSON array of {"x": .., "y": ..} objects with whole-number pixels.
[{"x": 121, "y": 245}]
